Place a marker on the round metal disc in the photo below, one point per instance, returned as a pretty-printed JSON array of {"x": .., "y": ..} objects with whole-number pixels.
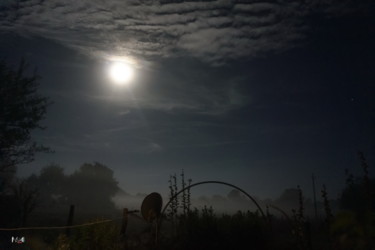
[{"x": 151, "y": 206}]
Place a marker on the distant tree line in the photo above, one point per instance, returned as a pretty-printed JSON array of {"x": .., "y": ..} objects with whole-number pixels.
[{"x": 89, "y": 188}]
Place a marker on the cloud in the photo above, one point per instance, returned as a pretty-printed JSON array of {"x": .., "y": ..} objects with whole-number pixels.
[
  {"x": 104, "y": 140},
  {"x": 213, "y": 31},
  {"x": 124, "y": 112},
  {"x": 154, "y": 147},
  {"x": 194, "y": 96}
]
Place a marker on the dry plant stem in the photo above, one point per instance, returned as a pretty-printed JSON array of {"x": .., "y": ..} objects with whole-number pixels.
[
  {"x": 366, "y": 179},
  {"x": 211, "y": 182},
  {"x": 327, "y": 207}
]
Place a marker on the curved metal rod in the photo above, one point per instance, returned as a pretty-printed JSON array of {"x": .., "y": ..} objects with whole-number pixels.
[
  {"x": 210, "y": 182},
  {"x": 281, "y": 211}
]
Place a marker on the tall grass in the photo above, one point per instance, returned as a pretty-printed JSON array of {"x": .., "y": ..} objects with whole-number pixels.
[{"x": 351, "y": 228}]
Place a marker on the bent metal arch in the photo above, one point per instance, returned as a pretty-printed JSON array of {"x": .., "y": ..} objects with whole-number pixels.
[{"x": 211, "y": 182}]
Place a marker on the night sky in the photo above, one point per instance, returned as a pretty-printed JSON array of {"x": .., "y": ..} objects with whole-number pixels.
[{"x": 260, "y": 94}]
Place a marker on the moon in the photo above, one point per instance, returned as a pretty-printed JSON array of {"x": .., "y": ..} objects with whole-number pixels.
[{"x": 121, "y": 73}]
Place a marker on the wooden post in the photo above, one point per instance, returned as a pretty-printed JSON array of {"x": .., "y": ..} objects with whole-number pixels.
[
  {"x": 124, "y": 222},
  {"x": 124, "y": 226},
  {"x": 70, "y": 220}
]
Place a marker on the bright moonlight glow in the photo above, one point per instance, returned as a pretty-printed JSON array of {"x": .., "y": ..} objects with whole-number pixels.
[{"x": 120, "y": 73}]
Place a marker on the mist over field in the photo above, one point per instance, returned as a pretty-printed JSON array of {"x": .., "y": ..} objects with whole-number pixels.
[{"x": 233, "y": 202}]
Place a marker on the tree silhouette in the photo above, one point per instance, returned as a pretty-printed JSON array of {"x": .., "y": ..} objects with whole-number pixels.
[
  {"x": 26, "y": 198},
  {"x": 18, "y": 204},
  {"x": 51, "y": 185},
  {"x": 21, "y": 110},
  {"x": 359, "y": 193},
  {"x": 92, "y": 186}
]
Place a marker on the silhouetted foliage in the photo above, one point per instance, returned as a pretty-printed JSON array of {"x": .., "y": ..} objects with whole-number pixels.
[
  {"x": 354, "y": 226},
  {"x": 359, "y": 194},
  {"x": 96, "y": 237},
  {"x": 354, "y": 198},
  {"x": 173, "y": 189},
  {"x": 52, "y": 186},
  {"x": 21, "y": 110},
  {"x": 203, "y": 229},
  {"x": 26, "y": 198},
  {"x": 91, "y": 187},
  {"x": 18, "y": 204}
]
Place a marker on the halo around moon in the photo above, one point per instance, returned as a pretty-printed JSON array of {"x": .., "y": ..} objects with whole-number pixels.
[{"x": 121, "y": 73}]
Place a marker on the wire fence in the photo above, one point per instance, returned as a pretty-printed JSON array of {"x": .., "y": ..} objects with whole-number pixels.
[{"x": 61, "y": 227}]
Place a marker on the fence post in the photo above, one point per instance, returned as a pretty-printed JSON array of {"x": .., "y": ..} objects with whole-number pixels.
[
  {"x": 70, "y": 220},
  {"x": 124, "y": 222},
  {"x": 124, "y": 226}
]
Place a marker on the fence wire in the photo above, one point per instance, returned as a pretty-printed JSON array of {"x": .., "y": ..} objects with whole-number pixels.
[{"x": 60, "y": 227}]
